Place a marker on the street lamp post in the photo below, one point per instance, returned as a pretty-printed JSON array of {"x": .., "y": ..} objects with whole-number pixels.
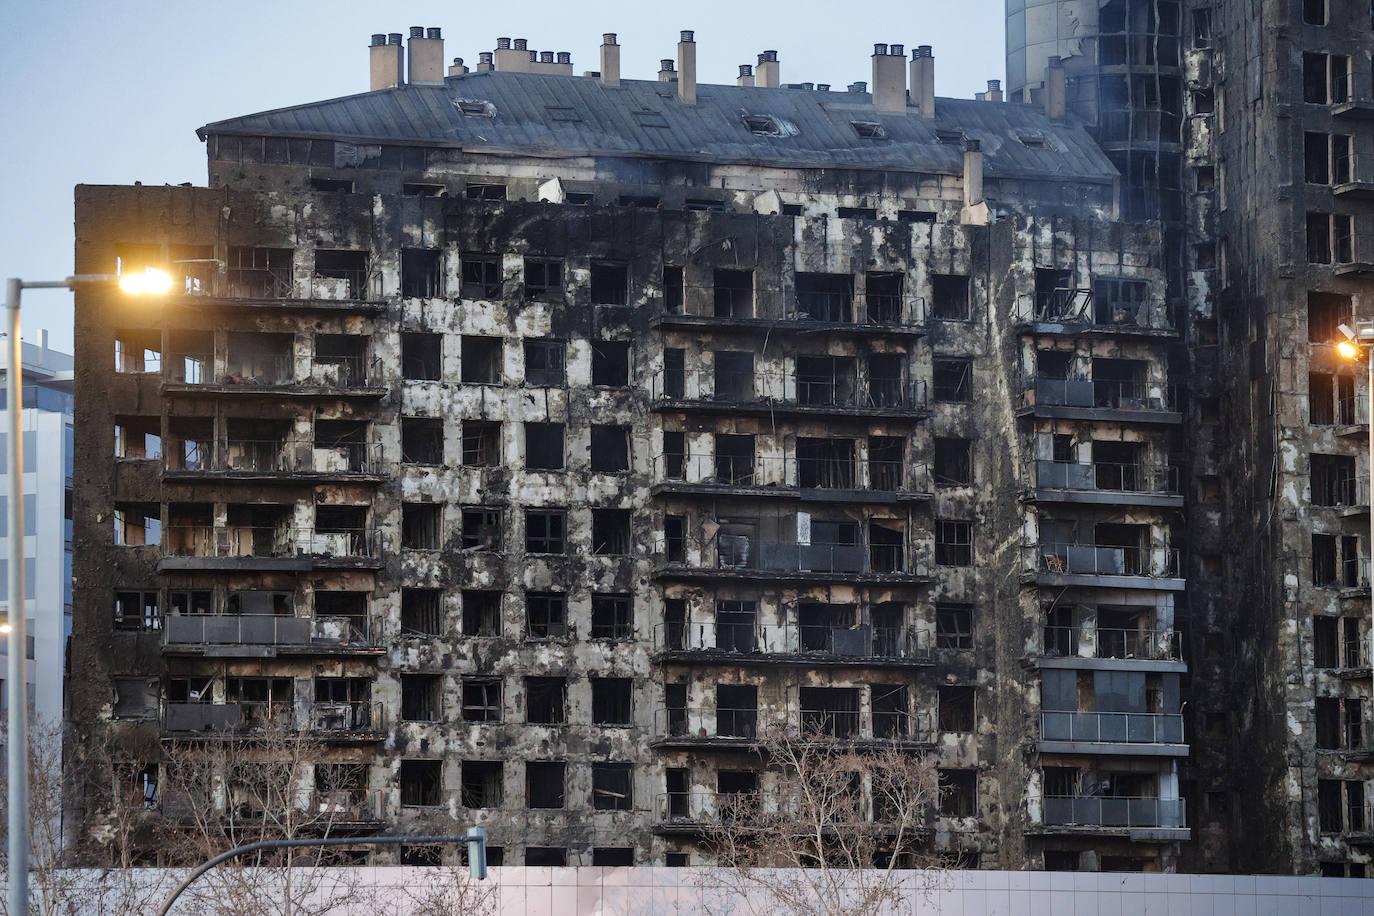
[
  {"x": 150, "y": 282},
  {"x": 1361, "y": 337}
]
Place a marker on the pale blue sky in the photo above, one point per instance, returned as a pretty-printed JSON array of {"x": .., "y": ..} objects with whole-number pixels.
[{"x": 112, "y": 92}]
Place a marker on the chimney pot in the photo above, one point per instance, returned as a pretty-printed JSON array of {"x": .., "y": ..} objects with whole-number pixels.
[
  {"x": 994, "y": 85},
  {"x": 503, "y": 44},
  {"x": 858, "y": 87},
  {"x": 810, "y": 86},
  {"x": 746, "y": 69},
  {"x": 433, "y": 33},
  {"x": 686, "y": 35},
  {"x": 971, "y": 145},
  {"x": 546, "y": 57},
  {"x": 880, "y": 49},
  {"x": 608, "y": 38},
  {"x": 897, "y": 50},
  {"x": 973, "y": 174},
  {"x": 457, "y": 62},
  {"x": 417, "y": 31},
  {"x": 772, "y": 55},
  {"x": 393, "y": 38},
  {"x": 565, "y": 57},
  {"x": 378, "y": 38},
  {"x": 823, "y": 87},
  {"x": 926, "y": 51},
  {"x": 534, "y": 56},
  {"x": 666, "y": 64},
  {"x": 522, "y": 44}
]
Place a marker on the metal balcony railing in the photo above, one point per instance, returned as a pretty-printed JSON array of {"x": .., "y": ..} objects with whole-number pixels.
[
  {"x": 723, "y": 386},
  {"x": 793, "y": 473},
  {"x": 274, "y": 541},
  {"x": 348, "y": 717},
  {"x": 259, "y": 369},
  {"x": 740, "y": 552},
  {"x": 1098, "y": 642},
  {"x": 1106, "y": 475},
  {"x": 698, "y": 806},
  {"x": 1352, "y": 491},
  {"x": 349, "y": 805},
  {"x": 1354, "y": 572},
  {"x": 1107, "y": 394},
  {"x": 848, "y": 724},
  {"x": 833, "y": 308},
  {"x": 1112, "y": 727},
  {"x": 254, "y": 283},
  {"x": 276, "y": 456},
  {"x": 234, "y": 716},
  {"x": 237, "y": 630},
  {"x": 719, "y": 722},
  {"x": 1097, "y": 811},
  {"x": 1352, "y": 410},
  {"x": 273, "y": 370},
  {"x": 862, "y": 641},
  {"x": 1105, "y": 560}
]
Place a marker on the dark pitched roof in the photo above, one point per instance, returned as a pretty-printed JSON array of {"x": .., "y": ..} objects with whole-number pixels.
[{"x": 547, "y": 115}]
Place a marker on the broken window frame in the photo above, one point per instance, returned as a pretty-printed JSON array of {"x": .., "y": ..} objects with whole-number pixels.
[
  {"x": 480, "y": 443},
  {"x": 545, "y": 362},
  {"x": 421, "y": 526},
  {"x": 479, "y": 789},
  {"x": 546, "y": 615},
  {"x": 481, "y": 699},
  {"x": 422, "y": 273},
  {"x": 612, "y": 615},
  {"x": 612, "y": 786},
  {"x": 546, "y": 531},
  {"x": 421, "y": 612},
  {"x": 953, "y": 626},
  {"x": 546, "y": 700},
  {"x": 544, "y": 278},
  {"x": 481, "y": 528},
  {"x": 612, "y": 532},
  {"x": 957, "y": 708},
  {"x": 137, "y": 610},
  {"x": 422, "y": 356},
  {"x": 953, "y": 542},
  {"x": 422, "y": 441},
  {"x": 952, "y": 379},
  {"x": 421, "y": 697},
  {"x": 480, "y": 276},
  {"x": 481, "y": 613},
  {"x": 958, "y": 791}
]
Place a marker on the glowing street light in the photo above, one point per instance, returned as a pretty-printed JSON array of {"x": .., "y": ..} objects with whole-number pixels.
[
  {"x": 149, "y": 282},
  {"x": 1354, "y": 339}
]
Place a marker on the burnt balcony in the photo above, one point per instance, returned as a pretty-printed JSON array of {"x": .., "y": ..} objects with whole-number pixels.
[
  {"x": 361, "y": 721},
  {"x": 285, "y": 458},
  {"x": 1087, "y": 312},
  {"x": 1139, "y": 819},
  {"x": 768, "y": 645},
  {"x": 348, "y": 811},
  {"x": 1061, "y": 646},
  {"x": 716, "y": 727},
  {"x": 1128, "y": 733},
  {"x": 809, "y": 479},
  {"x": 224, "y": 719},
  {"x": 270, "y": 282},
  {"x": 1351, "y": 416},
  {"x": 1106, "y": 400},
  {"x": 793, "y": 395},
  {"x": 1108, "y": 483},
  {"x": 741, "y": 309},
  {"x": 277, "y": 374},
  {"x": 263, "y": 636},
  {"x": 1352, "y": 496},
  {"x": 745, "y": 558},
  {"x": 1104, "y": 566},
  {"x": 277, "y": 547}
]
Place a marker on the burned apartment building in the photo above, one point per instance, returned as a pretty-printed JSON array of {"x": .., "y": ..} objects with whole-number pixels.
[{"x": 532, "y": 440}]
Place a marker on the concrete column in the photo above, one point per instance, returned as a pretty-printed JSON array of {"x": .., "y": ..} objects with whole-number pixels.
[{"x": 1056, "y": 89}]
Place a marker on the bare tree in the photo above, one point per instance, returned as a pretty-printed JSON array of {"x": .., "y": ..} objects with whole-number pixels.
[{"x": 833, "y": 830}]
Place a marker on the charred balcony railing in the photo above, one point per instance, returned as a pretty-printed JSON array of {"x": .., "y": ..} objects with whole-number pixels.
[
  {"x": 742, "y": 555},
  {"x": 1352, "y": 493},
  {"x": 804, "y": 309},
  {"x": 226, "y": 718},
  {"x": 805, "y": 393},
  {"x": 1107, "y": 394},
  {"x": 1158, "y": 480},
  {"x": 1354, "y": 572},
  {"x": 1099, "y": 642},
  {"x": 849, "y": 725},
  {"x": 715, "y": 724},
  {"x": 276, "y": 456},
  {"x": 283, "y": 282},
  {"x": 349, "y": 806},
  {"x": 1111, "y": 727},
  {"x": 803, "y": 641},
  {"x": 1099, "y": 811},
  {"x": 1105, "y": 560},
  {"x": 323, "y": 633},
  {"x": 273, "y": 370},
  {"x": 208, "y": 541},
  {"x": 792, "y": 473},
  {"x": 1091, "y": 310},
  {"x": 348, "y": 718}
]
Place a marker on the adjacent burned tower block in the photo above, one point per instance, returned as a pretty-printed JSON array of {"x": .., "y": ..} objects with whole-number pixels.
[{"x": 531, "y": 440}]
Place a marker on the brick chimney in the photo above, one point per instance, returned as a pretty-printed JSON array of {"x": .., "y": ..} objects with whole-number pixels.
[
  {"x": 610, "y": 60},
  {"x": 687, "y": 68},
  {"x": 889, "y": 78},
  {"x": 426, "y": 53},
  {"x": 384, "y": 61}
]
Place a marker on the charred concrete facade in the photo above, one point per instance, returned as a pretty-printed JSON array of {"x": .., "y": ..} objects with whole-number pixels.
[{"x": 533, "y": 439}]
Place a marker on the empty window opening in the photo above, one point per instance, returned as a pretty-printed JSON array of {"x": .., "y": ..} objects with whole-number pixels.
[
  {"x": 481, "y": 191},
  {"x": 1053, "y": 291},
  {"x": 1202, "y": 28},
  {"x": 733, "y": 375},
  {"x": 956, "y": 709},
  {"x": 610, "y": 363},
  {"x": 610, "y": 283},
  {"x": 420, "y": 612},
  {"x": 734, "y": 293},
  {"x": 481, "y": 360},
  {"x": 953, "y": 543},
  {"x": 613, "y": 856},
  {"x": 734, "y": 459},
  {"x": 138, "y": 525},
  {"x": 1316, "y": 158},
  {"x": 953, "y": 462},
  {"x": 1325, "y": 313},
  {"x": 952, "y": 379},
  {"x": 544, "y": 363},
  {"x": 418, "y": 189},
  {"x": 958, "y": 792},
  {"x": 546, "y": 700},
  {"x": 916, "y": 216},
  {"x": 953, "y": 626},
  {"x": 546, "y": 531},
  {"x": 890, "y": 719},
  {"x": 349, "y": 607},
  {"x": 736, "y": 625},
  {"x": 136, "y": 611},
  {"x": 543, "y": 278},
  {"x": 643, "y": 201},
  {"x": 673, "y": 291},
  {"x": 481, "y": 440},
  {"x": 737, "y": 710},
  {"x": 544, "y": 786},
  {"x": 260, "y": 273},
  {"x": 421, "y": 783},
  {"x": 422, "y": 356},
  {"x": 1119, "y": 302},
  {"x": 1332, "y": 480},
  {"x": 482, "y": 528},
  {"x": 422, "y": 440},
  {"x": 949, "y": 297},
  {"x": 674, "y": 538},
  {"x": 481, "y": 613},
  {"x": 141, "y": 351},
  {"x": 612, "y": 616},
  {"x": 1325, "y": 642},
  {"x": 420, "y": 525},
  {"x": 869, "y": 130},
  {"x": 482, "y": 700},
  {"x": 138, "y": 438},
  {"x": 546, "y": 856},
  {"x": 340, "y": 274},
  {"x": 340, "y": 359},
  {"x": 422, "y": 273},
  {"x": 827, "y": 380},
  {"x": 546, "y": 615},
  {"x": 481, "y": 276},
  {"x": 856, "y": 212},
  {"x": 887, "y": 463},
  {"x": 818, "y": 624},
  {"x": 483, "y": 783},
  {"x": 611, "y": 704},
  {"x": 825, "y": 463},
  {"x": 762, "y": 125},
  {"x": 612, "y": 787},
  {"x": 883, "y": 298},
  {"x": 544, "y": 446},
  {"x": 421, "y": 697},
  {"x": 1321, "y": 398},
  {"x": 611, "y": 532},
  {"x": 825, "y": 297},
  {"x": 610, "y": 449},
  {"x": 832, "y": 711}
]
